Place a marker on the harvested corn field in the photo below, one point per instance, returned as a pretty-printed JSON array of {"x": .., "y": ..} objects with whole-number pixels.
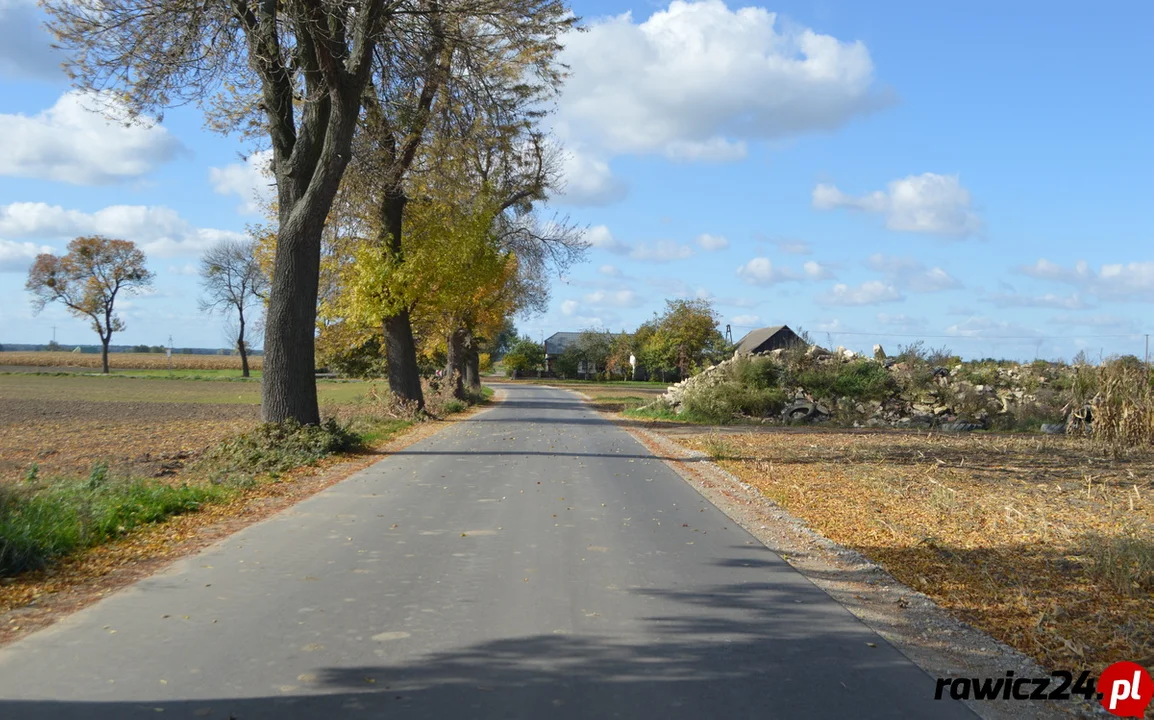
[{"x": 1046, "y": 543}]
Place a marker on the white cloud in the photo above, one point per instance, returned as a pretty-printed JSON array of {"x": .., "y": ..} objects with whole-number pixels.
[
  {"x": 697, "y": 80},
  {"x": 252, "y": 181},
  {"x": 816, "y": 271},
  {"x": 901, "y": 322},
  {"x": 789, "y": 246},
  {"x": 832, "y": 326},
  {"x": 570, "y": 307},
  {"x": 25, "y": 46},
  {"x": 762, "y": 271},
  {"x": 160, "y": 231},
  {"x": 609, "y": 271},
  {"x": 71, "y": 143},
  {"x": 17, "y": 256},
  {"x": 661, "y": 251},
  {"x": 873, "y": 292},
  {"x": 746, "y": 320},
  {"x": 612, "y": 298},
  {"x": 188, "y": 269},
  {"x": 1102, "y": 321},
  {"x": 1049, "y": 300},
  {"x": 926, "y": 203},
  {"x": 909, "y": 274},
  {"x": 984, "y": 327},
  {"x": 588, "y": 179},
  {"x": 716, "y": 149},
  {"x": 712, "y": 242},
  {"x": 601, "y": 238},
  {"x": 1118, "y": 281}
]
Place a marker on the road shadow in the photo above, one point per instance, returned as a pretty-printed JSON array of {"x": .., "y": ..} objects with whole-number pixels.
[{"x": 771, "y": 647}]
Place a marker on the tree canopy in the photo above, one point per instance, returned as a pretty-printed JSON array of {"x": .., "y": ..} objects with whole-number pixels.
[{"x": 87, "y": 281}]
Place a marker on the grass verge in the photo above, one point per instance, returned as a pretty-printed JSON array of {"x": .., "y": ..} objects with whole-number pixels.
[{"x": 43, "y": 520}]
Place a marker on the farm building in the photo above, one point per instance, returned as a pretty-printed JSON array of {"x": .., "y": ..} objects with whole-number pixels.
[
  {"x": 766, "y": 339},
  {"x": 555, "y": 344}
]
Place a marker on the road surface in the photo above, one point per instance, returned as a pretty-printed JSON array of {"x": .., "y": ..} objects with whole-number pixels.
[{"x": 533, "y": 561}]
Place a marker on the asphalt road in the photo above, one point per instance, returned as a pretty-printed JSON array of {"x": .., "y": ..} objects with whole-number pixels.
[{"x": 533, "y": 561}]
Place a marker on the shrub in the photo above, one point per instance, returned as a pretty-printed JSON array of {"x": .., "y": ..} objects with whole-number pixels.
[
  {"x": 858, "y": 380},
  {"x": 731, "y": 400},
  {"x": 275, "y": 448}
]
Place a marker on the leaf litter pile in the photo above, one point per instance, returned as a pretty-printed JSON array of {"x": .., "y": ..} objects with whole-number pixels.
[{"x": 1045, "y": 543}]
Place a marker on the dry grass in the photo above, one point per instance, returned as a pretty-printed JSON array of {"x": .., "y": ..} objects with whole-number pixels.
[
  {"x": 1046, "y": 543},
  {"x": 127, "y": 361}
]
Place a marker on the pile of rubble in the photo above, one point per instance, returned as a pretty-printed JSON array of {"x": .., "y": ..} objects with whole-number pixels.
[{"x": 951, "y": 400}]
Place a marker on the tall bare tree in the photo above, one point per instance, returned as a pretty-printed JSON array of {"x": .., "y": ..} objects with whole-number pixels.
[
  {"x": 311, "y": 60},
  {"x": 87, "y": 281},
  {"x": 233, "y": 280}
]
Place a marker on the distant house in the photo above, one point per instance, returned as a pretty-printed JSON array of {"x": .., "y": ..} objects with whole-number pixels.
[
  {"x": 555, "y": 344},
  {"x": 766, "y": 339}
]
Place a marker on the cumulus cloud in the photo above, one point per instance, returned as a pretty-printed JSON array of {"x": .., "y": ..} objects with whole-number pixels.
[
  {"x": 588, "y": 180},
  {"x": 612, "y": 298},
  {"x": 926, "y": 203},
  {"x": 601, "y": 238},
  {"x": 18, "y": 256},
  {"x": 816, "y": 271},
  {"x": 661, "y": 251},
  {"x": 909, "y": 274},
  {"x": 746, "y": 320},
  {"x": 570, "y": 307},
  {"x": 74, "y": 141},
  {"x": 1118, "y": 281},
  {"x": 609, "y": 271},
  {"x": 762, "y": 271},
  {"x": 1049, "y": 300},
  {"x": 252, "y": 181},
  {"x": 874, "y": 292},
  {"x": 712, "y": 242},
  {"x": 697, "y": 80},
  {"x": 789, "y": 246},
  {"x": 25, "y": 46},
  {"x": 160, "y": 231}
]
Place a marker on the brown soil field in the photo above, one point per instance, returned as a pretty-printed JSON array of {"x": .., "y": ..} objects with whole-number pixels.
[
  {"x": 127, "y": 361},
  {"x": 139, "y": 426},
  {"x": 1046, "y": 543},
  {"x": 67, "y": 437}
]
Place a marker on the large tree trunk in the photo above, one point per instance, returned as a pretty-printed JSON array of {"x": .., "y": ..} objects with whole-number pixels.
[
  {"x": 289, "y": 390},
  {"x": 307, "y": 182},
  {"x": 473, "y": 370},
  {"x": 241, "y": 348},
  {"x": 401, "y": 354},
  {"x": 458, "y": 349},
  {"x": 400, "y": 349},
  {"x": 104, "y": 352}
]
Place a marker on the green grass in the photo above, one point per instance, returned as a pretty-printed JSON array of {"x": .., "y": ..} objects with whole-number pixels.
[{"x": 41, "y": 523}]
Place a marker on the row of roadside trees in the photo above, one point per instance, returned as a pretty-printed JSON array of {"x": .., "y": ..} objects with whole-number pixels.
[
  {"x": 406, "y": 152},
  {"x": 675, "y": 344}
]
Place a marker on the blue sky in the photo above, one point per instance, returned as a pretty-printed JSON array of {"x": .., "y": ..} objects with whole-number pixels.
[{"x": 977, "y": 175}]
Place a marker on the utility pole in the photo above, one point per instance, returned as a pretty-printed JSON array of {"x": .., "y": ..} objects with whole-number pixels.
[{"x": 728, "y": 334}]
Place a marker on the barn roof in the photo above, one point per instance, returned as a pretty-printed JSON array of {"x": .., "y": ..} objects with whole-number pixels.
[{"x": 756, "y": 338}]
